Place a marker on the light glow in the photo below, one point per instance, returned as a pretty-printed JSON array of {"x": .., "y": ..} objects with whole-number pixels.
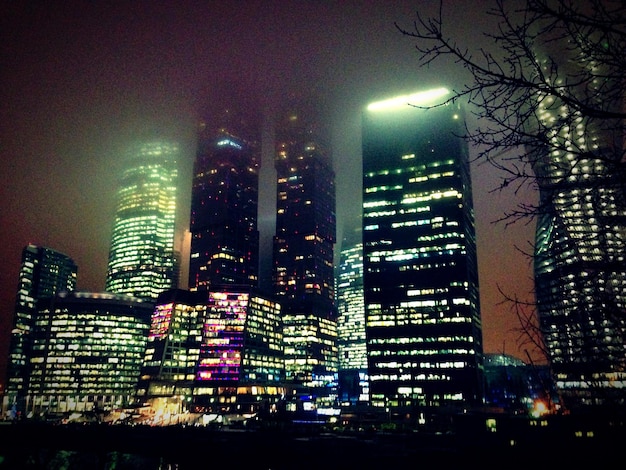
[{"x": 416, "y": 99}]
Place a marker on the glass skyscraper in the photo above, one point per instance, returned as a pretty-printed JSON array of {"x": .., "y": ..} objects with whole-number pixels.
[
  {"x": 44, "y": 272},
  {"x": 142, "y": 261},
  {"x": 423, "y": 327},
  {"x": 351, "y": 320},
  {"x": 224, "y": 205},
  {"x": 580, "y": 242},
  {"x": 303, "y": 251}
]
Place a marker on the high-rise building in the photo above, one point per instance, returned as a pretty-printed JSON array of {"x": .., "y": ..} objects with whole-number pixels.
[
  {"x": 87, "y": 352},
  {"x": 352, "y": 378},
  {"x": 224, "y": 205},
  {"x": 218, "y": 351},
  {"x": 580, "y": 242},
  {"x": 44, "y": 272},
  {"x": 142, "y": 260},
  {"x": 303, "y": 251},
  {"x": 423, "y": 327}
]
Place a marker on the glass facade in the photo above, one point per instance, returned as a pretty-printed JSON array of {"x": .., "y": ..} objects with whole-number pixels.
[
  {"x": 224, "y": 205},
  {"x": 351, "y": 321},
  {"x": 213, "y": 351},
  {"x": 423, "y": 328},
  {"x": 87, "y": 352},
  {"x": 580, "y": 247},
  {"x": 303, "y": 251},
  {"x": 142, "y": 262},
  {"x": 44, "y": 272}
]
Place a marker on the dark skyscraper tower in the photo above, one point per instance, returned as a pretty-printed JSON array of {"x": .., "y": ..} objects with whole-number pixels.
[
  {"x": 303, "y": 250},
  {"x": 423, "y": 328},
  {"x": 44, "y": 272},
  {"x": 142, "y": 261},
  {"x": 224, "y": 205}
]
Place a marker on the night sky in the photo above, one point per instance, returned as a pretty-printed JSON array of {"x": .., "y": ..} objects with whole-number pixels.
[{"x": 82, "y": 81}]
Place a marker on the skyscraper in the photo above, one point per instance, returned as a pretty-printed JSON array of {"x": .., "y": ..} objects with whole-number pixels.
[
  {"x": 580, "y": 242},
  {"x": 224, "y": 205},
  {"x": 44, "y": 272},
  {"x": 142, "y": 261},
  {"x": 303, "y": 250},
  {"x": 423, "y": 327},
  {"x": 351, "y": 320}
]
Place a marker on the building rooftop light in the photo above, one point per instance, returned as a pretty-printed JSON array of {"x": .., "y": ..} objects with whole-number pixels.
[{"x": 422, "y": 98}]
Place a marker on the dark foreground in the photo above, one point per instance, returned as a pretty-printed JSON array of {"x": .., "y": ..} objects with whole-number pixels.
[{"x": 97, "y": 446}]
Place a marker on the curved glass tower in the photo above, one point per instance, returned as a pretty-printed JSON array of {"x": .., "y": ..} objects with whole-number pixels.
[{"x": 142, "y": 261}]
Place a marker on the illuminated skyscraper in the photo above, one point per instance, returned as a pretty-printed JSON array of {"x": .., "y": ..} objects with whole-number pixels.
[
  {"x": 213, "y": 351},
  {"x": 44, "y": 272},
  {"x": 580, "y": 241},
  {"x": 142, "y": 261},
  {"x": 87, "y": 351},
  {"x": 423, "y": 327},
  {"x": 224, "y": 205},
  {"x": 303, "y": 273},
  {"x": 351, "y": 320}
]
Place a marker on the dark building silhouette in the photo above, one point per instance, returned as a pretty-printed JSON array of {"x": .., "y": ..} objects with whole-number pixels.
[
  {"x": 44, "y": 272},
  {"x": 303, "y": 249},
  {"x": 224, "y": 204},
  {"x": 423, "y": 327}
]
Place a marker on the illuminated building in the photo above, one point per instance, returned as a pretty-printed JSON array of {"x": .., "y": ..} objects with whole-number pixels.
[
  {"x": 423, "y": 327},
  {"x": 44, "y": 272},
  {"x": 580, "y": 245},
  {"x": 303, "y": 250},
  {"x": 224, "y": 204},
  {"x": 213, "y": 351},
  {"x": 173, "y": 347},
  {"x": 142, "y": 261},
  {"x": 351, "y": 321},
  {"x": 87, "y": 351}
]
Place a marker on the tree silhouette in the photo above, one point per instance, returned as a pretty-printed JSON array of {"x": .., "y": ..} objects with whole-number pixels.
[{"x": 548, "y": 98}]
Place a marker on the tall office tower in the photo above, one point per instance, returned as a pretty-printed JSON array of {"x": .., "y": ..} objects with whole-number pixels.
[
  {"x": 303, "y": 250},
  {"x": 224, "y": 205},
  {"x": 44, "y": 272},
  {"x": 142, "y": 261},
  {"x": 351, "y": 320},
  {"x": 423, "y": 327},
  {"x": 87, "y": 351},
  {"x": 580, "y": 242},
  {"x": 213, "y": 351}
]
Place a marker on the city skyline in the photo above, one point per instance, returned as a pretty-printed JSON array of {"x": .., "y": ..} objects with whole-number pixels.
[{"x": 84, "y": 81}]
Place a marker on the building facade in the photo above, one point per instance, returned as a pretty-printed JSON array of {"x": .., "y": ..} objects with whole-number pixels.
[
  {"x": 87, "y": 352},
  {"x": 580, "y": 241},
  {"x": 422, "y": 314},
  {"x": 224, "y": 205},
  {"x": 44, "y": 272},
  {"x": 142, "y": 261},
  {"x": 352, "y": 378},
  {"x": 213, "y": 352},
  {"x": 303, "y": 251}
]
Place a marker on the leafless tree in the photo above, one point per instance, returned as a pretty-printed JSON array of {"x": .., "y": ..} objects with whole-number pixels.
[{"x": 548, "y": 99}]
